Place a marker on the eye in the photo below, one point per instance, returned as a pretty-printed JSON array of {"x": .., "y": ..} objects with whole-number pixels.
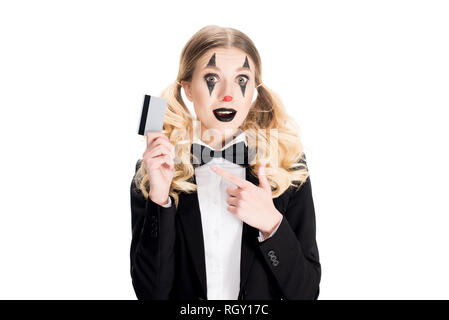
[
  {"x": 243, "y": 79},
  {"x": 210, "y": 77}
]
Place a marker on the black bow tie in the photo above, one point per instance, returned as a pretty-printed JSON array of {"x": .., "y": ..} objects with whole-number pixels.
[{"x": 236, "y": 153}]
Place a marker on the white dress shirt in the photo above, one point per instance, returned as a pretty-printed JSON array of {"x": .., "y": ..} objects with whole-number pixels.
[{"x": 222, "y": 230}]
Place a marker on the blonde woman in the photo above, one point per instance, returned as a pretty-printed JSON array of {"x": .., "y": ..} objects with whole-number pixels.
[{"x": 229, "y": 214}]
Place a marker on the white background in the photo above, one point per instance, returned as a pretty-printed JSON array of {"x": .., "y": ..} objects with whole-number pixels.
[{"x": 367, "y": 81}]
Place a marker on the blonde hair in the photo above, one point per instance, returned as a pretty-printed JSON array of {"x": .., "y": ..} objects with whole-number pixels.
[{"x": 267, "y": 112}]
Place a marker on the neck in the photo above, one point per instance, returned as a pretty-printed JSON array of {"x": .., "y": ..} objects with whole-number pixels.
[{"x": 218, "y": 141}]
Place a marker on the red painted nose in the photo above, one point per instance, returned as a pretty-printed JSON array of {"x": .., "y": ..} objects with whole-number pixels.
[{"x": 228, "y": 98}]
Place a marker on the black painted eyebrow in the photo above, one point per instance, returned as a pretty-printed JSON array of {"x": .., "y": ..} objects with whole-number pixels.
[
  {"x": 238, "y": 69},
  {"x": 246, "y": 64},
  {"x": 211, "y": 60},
  {"x": 211, "y": 64}
]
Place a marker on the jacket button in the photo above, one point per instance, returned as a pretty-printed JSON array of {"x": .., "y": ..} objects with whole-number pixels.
[{"x": 273, "y": 258}]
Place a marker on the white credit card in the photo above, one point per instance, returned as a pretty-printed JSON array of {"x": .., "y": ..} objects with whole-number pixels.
[{"x": 152, "y": 114}]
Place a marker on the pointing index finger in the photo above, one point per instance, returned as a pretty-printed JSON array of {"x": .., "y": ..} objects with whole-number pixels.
[{"x": 230, "y": 177}]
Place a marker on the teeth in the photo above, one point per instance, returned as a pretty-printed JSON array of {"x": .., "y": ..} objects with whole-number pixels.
[{"x": 225, "y": 112}]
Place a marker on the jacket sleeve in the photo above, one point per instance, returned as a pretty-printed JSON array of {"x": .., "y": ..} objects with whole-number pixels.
[
  {"x": 292, "y": 253},
  {"x": 152, "y": 246}
]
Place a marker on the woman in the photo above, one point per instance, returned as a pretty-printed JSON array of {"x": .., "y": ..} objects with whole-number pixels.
[{"x": 240, "y": 225}]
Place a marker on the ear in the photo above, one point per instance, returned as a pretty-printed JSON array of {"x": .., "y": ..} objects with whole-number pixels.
[{"x": 187, "y": 89}]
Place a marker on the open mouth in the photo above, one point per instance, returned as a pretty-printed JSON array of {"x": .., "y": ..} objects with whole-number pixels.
[{"x": 225, "y": 114}]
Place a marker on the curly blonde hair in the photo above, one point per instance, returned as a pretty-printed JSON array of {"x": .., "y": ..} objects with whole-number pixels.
[{"x": 266, "y": 113}]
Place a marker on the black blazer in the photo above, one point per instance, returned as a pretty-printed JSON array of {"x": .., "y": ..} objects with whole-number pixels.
[{"x": 167, "y": 250}]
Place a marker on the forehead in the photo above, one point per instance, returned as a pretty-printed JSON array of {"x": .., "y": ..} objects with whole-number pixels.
[{"x": 225, "y": 57}]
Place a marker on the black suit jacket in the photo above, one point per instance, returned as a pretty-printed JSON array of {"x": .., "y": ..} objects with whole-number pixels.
[{"x": 167, "y": 250}]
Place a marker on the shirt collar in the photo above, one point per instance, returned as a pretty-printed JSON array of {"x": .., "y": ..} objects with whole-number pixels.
[{"x": 240, "y": 137}]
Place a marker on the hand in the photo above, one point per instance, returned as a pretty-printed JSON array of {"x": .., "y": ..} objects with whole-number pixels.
[
  {"x": 250, "y": 203},
  {"x": 159, "y": 163}
]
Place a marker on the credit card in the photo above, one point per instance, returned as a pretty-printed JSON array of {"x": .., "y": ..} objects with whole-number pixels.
[{"x": 152, "y": 115}]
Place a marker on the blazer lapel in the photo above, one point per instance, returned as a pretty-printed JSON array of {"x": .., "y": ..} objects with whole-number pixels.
[
  {"x": 249, "y": 241},
  {"x": 190, "y": 217}
]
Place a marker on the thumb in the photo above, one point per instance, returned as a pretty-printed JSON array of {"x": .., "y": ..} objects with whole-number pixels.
[{"x": 263, "y": 181}]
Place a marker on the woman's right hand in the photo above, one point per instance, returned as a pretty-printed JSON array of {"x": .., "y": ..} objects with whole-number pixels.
[{"x": 159, "y": 163}]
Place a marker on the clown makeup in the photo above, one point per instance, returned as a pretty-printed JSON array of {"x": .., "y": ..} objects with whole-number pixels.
[
  {"x": 245, "y": 65},
  {"x": 211, "y": 63},
  {"x": 211, "y": 84},
  {"x": 221, "y": 88}
]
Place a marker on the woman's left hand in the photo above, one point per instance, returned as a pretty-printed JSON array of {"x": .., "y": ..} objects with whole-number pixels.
[{"x": 250, "y": 203}]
